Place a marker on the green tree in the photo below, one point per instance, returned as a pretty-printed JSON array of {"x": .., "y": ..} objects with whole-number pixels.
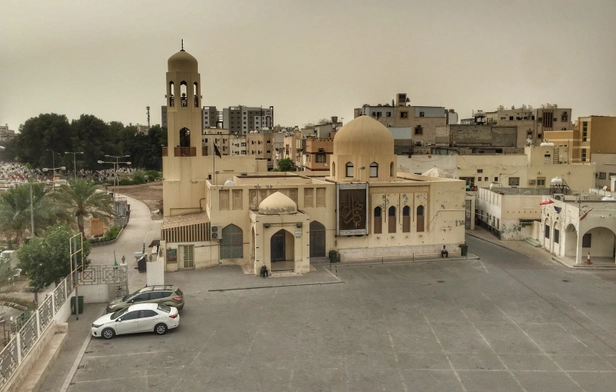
[
  {"x": 48, "y": 260},
  {"x": 15, "y": 212},
  {"x": 83, "y": 200},
  {"x": 285, "y": 165},
  {"x": 47, "y": 131}
]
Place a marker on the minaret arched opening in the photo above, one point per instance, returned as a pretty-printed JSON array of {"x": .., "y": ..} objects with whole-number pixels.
[
  {"x": 171, "y": 93},
  {"x": 196, "y": 94},
  {"x": 183, "y": 96},
  {"x": 184, "y": 137}
]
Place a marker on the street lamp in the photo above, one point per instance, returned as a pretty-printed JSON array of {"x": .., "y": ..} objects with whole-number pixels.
[
  {"x": 74, "y": 163},
  {"x": 115, "y": 164}
]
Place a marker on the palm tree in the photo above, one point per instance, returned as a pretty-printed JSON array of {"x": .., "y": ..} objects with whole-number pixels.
[
  {"x": 16, "y": 216},
  {"x": 83, "y": 199}
]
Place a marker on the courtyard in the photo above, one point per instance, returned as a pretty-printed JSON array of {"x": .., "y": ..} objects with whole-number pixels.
[{"x": 502, "y": 322}]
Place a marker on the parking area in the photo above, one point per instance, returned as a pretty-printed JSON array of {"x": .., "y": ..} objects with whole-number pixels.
[{"x": 501, "y": 323}]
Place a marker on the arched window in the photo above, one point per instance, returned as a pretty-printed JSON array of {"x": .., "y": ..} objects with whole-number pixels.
[
  {"x": 183, "y": 97},
  {"x": 333, "y": 169},
  {"x": 406, "y": 219},
  {"x": 391, "y": 219},
  {"x": 184, "y": 137},
  {"x": 196, "y": 94},
  {"x": 350, "y": 172},
  {"x": 171, "y": 93},
  {"x": 391, "y": 169},
  {"x": 374, "y": 170},
  {"x": 378, "y": 221},
  {"x": 232, "y": 243},
  {"x": 420, "y": 219}
]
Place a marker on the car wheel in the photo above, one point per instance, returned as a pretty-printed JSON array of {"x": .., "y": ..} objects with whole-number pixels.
[
  {"x": 160, "y": 329},
  {"x": 108, "y": 333}
]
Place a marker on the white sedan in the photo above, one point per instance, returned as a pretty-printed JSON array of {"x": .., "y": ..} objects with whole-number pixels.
[{"x": 148, "y": 317}]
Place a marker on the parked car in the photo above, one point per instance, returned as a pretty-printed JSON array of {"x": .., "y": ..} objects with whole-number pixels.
[
  {"x": 157, "y": 318},
  {"x": 162, "y": 294}
]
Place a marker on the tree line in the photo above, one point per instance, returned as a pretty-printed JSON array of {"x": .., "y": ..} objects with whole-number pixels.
[{"x": 43, "y": 140}]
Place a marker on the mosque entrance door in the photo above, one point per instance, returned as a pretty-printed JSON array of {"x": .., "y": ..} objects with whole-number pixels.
[
  {"x": 317, "y": 239},
  {"x": 277, "y": 246}
]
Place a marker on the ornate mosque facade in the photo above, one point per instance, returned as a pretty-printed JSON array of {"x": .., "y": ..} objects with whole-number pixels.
[{"x": 230, "y": 209}]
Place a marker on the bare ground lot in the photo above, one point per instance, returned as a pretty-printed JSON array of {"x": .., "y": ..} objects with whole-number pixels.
[{"x": 151, "y": 194}]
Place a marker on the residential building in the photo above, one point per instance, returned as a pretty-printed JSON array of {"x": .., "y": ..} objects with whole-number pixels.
[
  {"x": 261, "y": 146},
  {"x": 245, "y": 119},
  {"x": 423, "y": 120},
  {"x": 6, "y": 134}
]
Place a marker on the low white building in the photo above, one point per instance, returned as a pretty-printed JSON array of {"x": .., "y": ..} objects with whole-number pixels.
[{"x": 578, "y": 226}]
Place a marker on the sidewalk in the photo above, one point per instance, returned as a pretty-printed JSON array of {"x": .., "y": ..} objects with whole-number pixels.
[
  {"x": 539, "y": 253},
  {"x": 72, "y": 349}
]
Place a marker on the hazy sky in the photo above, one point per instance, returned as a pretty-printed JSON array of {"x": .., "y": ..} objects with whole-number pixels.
[{"x": 310, "y": 59}]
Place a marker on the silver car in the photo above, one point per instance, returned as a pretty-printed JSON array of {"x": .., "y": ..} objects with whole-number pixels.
[{"x": 147, "y": 317}]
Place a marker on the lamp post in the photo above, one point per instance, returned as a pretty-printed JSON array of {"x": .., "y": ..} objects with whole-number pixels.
[
  {"x": 74, "y": 161},
  {"x": 115, "y": 164},
  {"x": 53, "y": 180}
]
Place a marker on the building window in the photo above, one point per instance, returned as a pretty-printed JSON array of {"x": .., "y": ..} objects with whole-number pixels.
[
  {"x": 378, "y": 221},
  {"x": 391, "y": 219},
  {"x": 320, "y": 157},
  {"x": 420, "y": 219},
  {"x": 547, "y": 159},
  {"x": 540, "y": 181},
  {"x": 391, "y": 169},
  {"x": 546, "y": 232},
  {"x": 587, "y": 241},
  {"x": 479, "y": 170},
  {"x": 374, "y": 170},
  {"x": 514, "y": 181},
  {"x": 406, "y": 219},
  {"x": 556, "y": 236},
  {"x": 583, "y": 155},
  {"x": 350, "y": 170},
  {"x": 602, "y": 175},
  {"x": 422, "y": 114},
  {"x": 188, "y": 255},
  {"x": 404, "y": 114},
  {"x": 585, "y": 131},
  {"x": 388, "y": 114},
  {"x": 418, "y": 130}
]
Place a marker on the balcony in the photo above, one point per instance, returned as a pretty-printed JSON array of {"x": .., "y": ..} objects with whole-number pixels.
[{"x": 185, "y": 151}]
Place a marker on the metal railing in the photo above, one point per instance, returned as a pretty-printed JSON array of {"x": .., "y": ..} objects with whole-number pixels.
[{"x": 30, "y": 331}]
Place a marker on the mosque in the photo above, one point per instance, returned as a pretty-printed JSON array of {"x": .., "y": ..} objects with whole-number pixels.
[{"x": 230, "y": 209}]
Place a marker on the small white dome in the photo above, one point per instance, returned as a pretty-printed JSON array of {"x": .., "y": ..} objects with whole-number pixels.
[
  {"x": 229, "y": 182},
  {"x": 277, "y": 204}
]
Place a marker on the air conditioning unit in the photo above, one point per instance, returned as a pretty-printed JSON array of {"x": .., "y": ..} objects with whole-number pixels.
[
  {"x": 215, "y": 232},
  {"x": 559, "y": 197},
  {"x": 532, "y": 182}
]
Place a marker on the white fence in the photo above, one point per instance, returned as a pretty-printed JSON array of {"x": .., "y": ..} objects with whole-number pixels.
[{"x": 17, "y": 349}]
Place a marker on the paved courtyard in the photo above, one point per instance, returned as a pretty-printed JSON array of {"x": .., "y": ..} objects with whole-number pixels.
[{"x": 503, "y": 322}]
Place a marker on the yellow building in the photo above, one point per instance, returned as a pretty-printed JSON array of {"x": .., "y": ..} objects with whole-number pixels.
[
  {"x": 231, "y": 210},
  {"x": 593, "y": 134}
]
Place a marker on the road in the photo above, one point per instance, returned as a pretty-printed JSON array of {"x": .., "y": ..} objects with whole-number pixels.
[{"x": 503, "y": 322}]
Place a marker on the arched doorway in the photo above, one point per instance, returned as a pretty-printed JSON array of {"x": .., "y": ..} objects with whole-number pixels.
[
  {"x": 570, "y": 241},
  {"x": 232, "y": 243},
  {"x": 599, "y": 241},
  {"x": 317, "y": 239},
  {"x": 282, "y": 250}
]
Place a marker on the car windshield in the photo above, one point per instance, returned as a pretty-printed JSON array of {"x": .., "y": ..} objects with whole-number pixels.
[
  {"x": 164, "y": 308},
  {"x": 117, "y": 314}
]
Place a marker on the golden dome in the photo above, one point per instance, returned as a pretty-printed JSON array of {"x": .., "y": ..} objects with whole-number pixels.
[
  {"x": 363, "y": 136},
  {"x": 182, "y": 62}
]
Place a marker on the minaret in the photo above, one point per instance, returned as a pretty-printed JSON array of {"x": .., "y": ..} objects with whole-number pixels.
[{"x": 183, "y": 105}]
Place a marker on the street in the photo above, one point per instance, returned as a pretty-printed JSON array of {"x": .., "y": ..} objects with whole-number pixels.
[{"x": 503, "y": 322}]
